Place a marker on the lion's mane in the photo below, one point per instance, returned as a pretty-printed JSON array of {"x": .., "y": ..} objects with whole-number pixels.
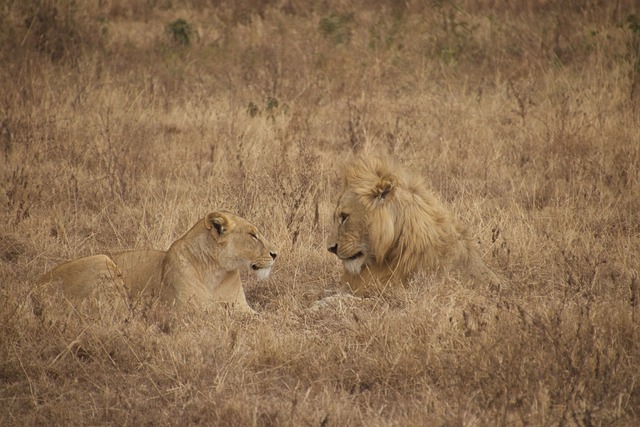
[{"x": 404, "y": 229}]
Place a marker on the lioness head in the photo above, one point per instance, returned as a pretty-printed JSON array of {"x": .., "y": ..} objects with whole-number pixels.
[
  {"x": 242, "y": 246},
  {"x": 363, "y": 221}
]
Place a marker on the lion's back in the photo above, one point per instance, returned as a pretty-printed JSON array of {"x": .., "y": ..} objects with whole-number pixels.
[{"x": 84, "y": 276}]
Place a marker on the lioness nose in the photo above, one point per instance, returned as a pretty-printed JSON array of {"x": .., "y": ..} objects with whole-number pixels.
[
  {"x": 333, "y": 249},
  {"x": 274, "y": 255}
]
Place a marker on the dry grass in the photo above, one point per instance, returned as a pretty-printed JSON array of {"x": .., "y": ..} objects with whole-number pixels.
[{"x": 116, "y": 134}]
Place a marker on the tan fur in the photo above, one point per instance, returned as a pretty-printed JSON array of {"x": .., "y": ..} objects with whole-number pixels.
[
  {"x": 84, "y": 277},
  {"x": 141, "y": 270},
  {"x": 201, "y": 267},
  {"x": 388, "y": 225}
]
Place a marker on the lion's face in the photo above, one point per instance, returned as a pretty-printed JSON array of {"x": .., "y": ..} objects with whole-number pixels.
[
  {"x": 364, "y": 220},
  {"x": 242, "y": 245},
  {"x": 349, "y": 238}
]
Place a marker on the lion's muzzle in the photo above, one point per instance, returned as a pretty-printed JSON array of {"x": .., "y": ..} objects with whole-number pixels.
[
  {"x": 334, "y": 250},
  {"x": 262, "y": 270}
]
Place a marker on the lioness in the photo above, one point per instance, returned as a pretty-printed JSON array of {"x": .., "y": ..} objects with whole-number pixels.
[
  {"x": 203, "y": 265},
  {"x": 200, "y": 267},
  {"x": 388, "y": 225}
]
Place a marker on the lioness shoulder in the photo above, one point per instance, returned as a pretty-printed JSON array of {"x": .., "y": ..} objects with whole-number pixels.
[{"x": 141, "y": 270}]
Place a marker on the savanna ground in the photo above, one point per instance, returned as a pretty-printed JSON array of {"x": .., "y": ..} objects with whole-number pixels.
[{"x": 123, "y": 122}]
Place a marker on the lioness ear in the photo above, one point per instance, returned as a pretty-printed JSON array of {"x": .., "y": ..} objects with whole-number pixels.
[
  {"x": 218, "y": 221},
  {"x": 384, "y": 187}
]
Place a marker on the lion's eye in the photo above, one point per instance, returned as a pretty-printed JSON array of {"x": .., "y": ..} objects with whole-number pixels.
[
  {"x": 342, "y": 217},
  {"x": 254, "y": 235}
]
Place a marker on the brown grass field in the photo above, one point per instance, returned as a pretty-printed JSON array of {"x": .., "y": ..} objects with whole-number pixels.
[{"x": 123, "y": 122}]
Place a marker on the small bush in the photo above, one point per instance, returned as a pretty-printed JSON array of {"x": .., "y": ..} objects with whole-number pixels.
[
  {"x": 54, "y": 28},
  {"x": 337, "y": 27},
  {"x": 633, "y": 22},
  {"x": 181, "y": 32}
]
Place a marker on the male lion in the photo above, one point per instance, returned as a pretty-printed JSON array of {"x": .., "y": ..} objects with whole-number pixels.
[
  {"x": 203, "y": 265},
  {"x": 84, "y": 277},
  {"x": 388, "y": 225}
]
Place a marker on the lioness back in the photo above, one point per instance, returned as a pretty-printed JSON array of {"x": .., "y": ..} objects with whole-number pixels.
[
  {"x": 83, "y": 277},
  {"x": 141, "y": 270}
]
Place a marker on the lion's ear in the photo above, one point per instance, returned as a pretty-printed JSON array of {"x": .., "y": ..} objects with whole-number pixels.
[
  {"x": 218, "y": 221},
  {"x": 384, "y": 187}
]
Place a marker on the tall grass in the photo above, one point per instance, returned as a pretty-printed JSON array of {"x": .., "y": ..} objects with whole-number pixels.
[{"x": 522, "y": 116}]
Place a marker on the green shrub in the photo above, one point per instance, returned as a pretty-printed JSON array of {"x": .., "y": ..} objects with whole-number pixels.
[
  {"x": 181, "y": 32},
  {"x": 54, "y": 28},
  {"x": 337, "y": 27}
]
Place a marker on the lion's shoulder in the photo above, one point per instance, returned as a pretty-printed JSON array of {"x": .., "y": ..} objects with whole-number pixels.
[{"x": 141, "y": 269}]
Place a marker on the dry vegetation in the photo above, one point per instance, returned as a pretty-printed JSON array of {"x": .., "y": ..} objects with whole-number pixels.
[{"x": 122, "y": 122}]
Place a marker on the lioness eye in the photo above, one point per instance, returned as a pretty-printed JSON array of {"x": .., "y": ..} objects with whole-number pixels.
[
  {"x": 342, "y": 218},
  {"x": 254, "y": 235}
]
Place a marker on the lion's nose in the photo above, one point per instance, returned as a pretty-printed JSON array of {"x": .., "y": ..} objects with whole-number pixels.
[
  {"x": 333, "y": 249},
  {"x": 274, "y": 255}
]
